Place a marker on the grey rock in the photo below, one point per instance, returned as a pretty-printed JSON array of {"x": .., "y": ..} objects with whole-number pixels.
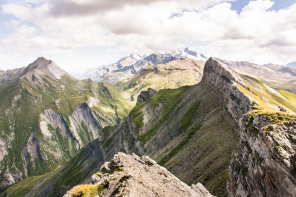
[
  {"x": 264, "y": 163},
  {"x": 131, "y": 175},
  {"x": 145, "y": 95},
  {"x": 222, "y": 79}
]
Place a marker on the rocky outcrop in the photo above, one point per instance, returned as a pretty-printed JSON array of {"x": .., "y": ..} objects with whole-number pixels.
[
  {"x": 145, "y": 95},
  {"x": 222, "y": 79},
  {"x": 131, "y": 175},
  {"x": 265, "y": 161},
  {"x": 85, "y": 115}
]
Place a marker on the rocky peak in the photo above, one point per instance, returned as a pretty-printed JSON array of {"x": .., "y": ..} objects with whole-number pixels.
[
  {"x": 131, "y": 175},
  {"x": 223, "y": 80},
  {"x": 42, "y": 67},
  {"x": 145, "y": 95}
]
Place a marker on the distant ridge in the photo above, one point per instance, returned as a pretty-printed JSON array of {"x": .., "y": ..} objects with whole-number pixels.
[{"x": 132, "y": 64}]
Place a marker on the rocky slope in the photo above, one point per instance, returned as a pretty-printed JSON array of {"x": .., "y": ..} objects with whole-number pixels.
[
  {"x": 193, "y": 131},
  {"x": 264, "y": 163},
  {"x": 132, "y": 64},
  {"x": 131, "y": 175},
  {"x": 48, "y": 115}
]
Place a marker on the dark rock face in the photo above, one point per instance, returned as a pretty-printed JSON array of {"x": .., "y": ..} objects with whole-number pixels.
[
  {"x": 145, "y": 95},
  {"x": 264, "y": 163},
  {"x": 131, "y": 175}
]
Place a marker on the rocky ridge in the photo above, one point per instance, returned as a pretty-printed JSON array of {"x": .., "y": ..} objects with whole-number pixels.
[
  {"x": 212, "y": 122},
  {"x": 131, "y": 175}
]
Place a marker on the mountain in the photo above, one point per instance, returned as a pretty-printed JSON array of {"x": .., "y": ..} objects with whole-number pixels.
[
  {"x": 230, "y": 132},
  {"x": 130, "y": 65},
  {"x": 47, "y": 116},
  {"x": 121, "y": 69},
  {"x": 9, "y": 75},
  {"x": 131, "y": 175},
  {"x": 291, "y": 65},
  {"x": 275, "y": 76},
  {"x": 174, "y": 74}
]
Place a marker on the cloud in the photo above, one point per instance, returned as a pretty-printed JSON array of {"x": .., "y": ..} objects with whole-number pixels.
[
  {"x": 87, "y": 7},
  {"x": 53, "y": 26}
]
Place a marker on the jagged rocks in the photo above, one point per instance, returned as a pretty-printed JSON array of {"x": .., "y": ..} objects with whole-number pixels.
[
  {"x": 264, "y": 163},
  {"x": 131, "y": 175},
  {"x": 145, "y": 95}
]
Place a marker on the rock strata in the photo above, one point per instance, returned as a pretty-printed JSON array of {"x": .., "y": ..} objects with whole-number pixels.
[
  {"x": 222, "y": 80},
  {"x": 264, "y": 163}
]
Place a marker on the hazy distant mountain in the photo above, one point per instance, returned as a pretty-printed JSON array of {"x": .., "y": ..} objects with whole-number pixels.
[
  {"x": 276, "y": 76},
  {"x": 9, "y": 75},
  {"x": 130, "y": 65},
  {"x": 124, "y": 66},
  {"x": 173, "y": 74},
  {"x": 291, "y": 65}
]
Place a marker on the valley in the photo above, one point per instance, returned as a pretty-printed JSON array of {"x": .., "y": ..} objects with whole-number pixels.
[{"x": 213, "y": 122}]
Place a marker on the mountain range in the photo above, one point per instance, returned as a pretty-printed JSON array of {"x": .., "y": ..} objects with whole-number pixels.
[
  {"x": 132, "y": 64},
  {"x": 227, "y": 125}
]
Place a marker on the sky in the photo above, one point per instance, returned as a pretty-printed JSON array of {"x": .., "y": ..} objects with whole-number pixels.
[{"x": 82, "y": 34}]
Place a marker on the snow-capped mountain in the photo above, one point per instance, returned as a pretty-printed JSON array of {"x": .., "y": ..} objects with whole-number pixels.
[{"x": 133, "y": 63}]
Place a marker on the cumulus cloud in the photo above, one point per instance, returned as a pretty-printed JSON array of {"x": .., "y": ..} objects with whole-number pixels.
[
  {"x": 87, "y": 7},
  {"x": 255, "y": 34}
]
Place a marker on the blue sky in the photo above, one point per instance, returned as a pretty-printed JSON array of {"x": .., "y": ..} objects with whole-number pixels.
[
  {"x": 278, "y": 4},
  {"x": 81, "y": 34}
]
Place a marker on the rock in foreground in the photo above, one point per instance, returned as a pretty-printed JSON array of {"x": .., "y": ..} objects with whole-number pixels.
[{"x": 131, "y": 175}]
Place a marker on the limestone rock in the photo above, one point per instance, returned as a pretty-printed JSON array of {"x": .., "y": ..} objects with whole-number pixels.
[
  {"x": 222, "y": 79},
  {"x": 145, "y": 95},
  {"x": 131, "y": 175},
  {"x": 264, "y": 163}
]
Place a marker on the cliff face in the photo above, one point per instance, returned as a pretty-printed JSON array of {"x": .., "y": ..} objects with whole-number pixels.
[
  {"x": 264, "y": 163},
  {"x": 222, "y": 79},
  {"x": 131, "y": 175}
]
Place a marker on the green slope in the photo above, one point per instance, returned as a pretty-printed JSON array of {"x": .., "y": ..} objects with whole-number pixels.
[{"x": 28, "y": 151}]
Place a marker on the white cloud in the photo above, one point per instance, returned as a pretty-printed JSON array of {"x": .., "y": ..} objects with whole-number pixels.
[{"x": 255, "y": 34}]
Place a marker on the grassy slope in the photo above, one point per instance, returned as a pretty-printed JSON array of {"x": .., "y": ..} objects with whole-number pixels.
[
  {"x": 174, "y": 74},
  {"x": 204, "y": 141},
  {"x": 265, "y": 98},
  {"x": 56, "y": 182},
  {"x": 186, "y": 133},
  {"x": 24, "y": 114}
]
